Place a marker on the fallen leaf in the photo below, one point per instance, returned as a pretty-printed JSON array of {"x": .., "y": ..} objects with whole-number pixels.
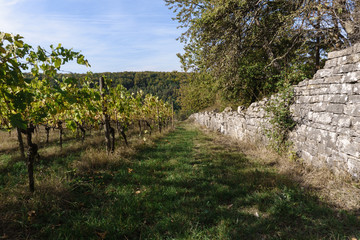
[
  {"x": 102, "y": 235},
  {"x": 31, "y": 215},
  {"x": 4, "y": 236},
  {"x": 230, "y": 206},
  {"x": 130, "y": 170}
]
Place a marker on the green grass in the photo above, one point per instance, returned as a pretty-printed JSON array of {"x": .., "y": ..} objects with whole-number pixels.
[{"x": 184, "y": 187}]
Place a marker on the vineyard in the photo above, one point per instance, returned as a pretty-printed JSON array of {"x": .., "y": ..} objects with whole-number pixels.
[
  {"x": 79, "y": 105},
  {"x": 82, "y": 157}
]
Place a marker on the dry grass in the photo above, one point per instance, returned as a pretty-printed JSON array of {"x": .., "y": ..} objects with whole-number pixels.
[
  {"x": 8, "y": 141},
  {"x": 95, "y": 158},
  {"x": 338, "y": 190}
]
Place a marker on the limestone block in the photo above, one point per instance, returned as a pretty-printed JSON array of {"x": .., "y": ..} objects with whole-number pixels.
[
  {"x": 347, "y": 88},
  {"x": 354, "y": 99},
  {"x": 322, "y": 117},
  {"x": 319, "y": 91},
  {"x": 345, "y": 68},
  {"x": 327, "y": 127},
  {"x": 353, "y": 58},
  {"x": 335, "y": 88},
  {"x": 347, "y": 146},
  {"x": 307, "y": 157},
  {"x": 319, "y": 107},
  {"x": 322, "y": 152},
  {"x": 333, "y": 79},
  {"x": 313, "y": 136},
  {"x": 336, "y": 98},
  {"x": 352, "y": 110},
  {"x": 344, "y": 122},
  {"x": 344, "y": 130},
  {"x": 356, "y": 48},
  {"x": 303, "y": 99},
  {"x": 353, "y": 166},
  {"x": 317, "y": 81},
  {"x": 227, "y": 109},
  {"x": 331, "y": 141},
  {"x": 351, "y": 77},
  {"x": 323, "y": 73},
  {"x": 341, "y": 53},
  {"x": 312, "y": 147},
  {"x": 335, "y": 108},
  {"x": 303, "y": 83},
  {"x": 356, "y": 89},
  {"x": 355, "y": 123},
  {"x": 341, "y": 89},
  {"x": 331, "y": 63}
]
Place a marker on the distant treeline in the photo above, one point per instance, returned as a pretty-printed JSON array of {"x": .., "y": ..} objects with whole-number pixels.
[{"x": 165, "y": 85}]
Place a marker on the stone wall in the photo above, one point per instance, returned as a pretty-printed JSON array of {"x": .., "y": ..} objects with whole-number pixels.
[{"x": 326, "y": 109}]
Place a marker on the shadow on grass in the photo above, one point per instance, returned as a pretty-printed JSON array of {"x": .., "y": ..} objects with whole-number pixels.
[{"x": 172, "y": 191}]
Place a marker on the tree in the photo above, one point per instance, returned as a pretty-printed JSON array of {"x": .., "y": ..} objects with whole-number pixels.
[{"x": 248, "y": 45}]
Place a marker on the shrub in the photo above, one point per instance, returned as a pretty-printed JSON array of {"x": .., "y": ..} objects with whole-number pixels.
[{"x": 280, "y": 119}]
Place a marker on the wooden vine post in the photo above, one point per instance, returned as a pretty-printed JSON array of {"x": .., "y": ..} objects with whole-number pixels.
[
  {"x": 158, "y": 118},
  {"x": 21, "y": 143},
  {"x": 31, "y": 154},
  {"x": 109, "y": 146},
  {"x": 172, "y": 115},
  {"x": 61, "y": 131}
]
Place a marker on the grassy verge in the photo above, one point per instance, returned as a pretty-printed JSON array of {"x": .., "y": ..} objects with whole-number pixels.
[{"x": 186, "y": 186}]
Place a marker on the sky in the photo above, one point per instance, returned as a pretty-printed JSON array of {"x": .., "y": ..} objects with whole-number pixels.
[{"x": 113, "y": 35}]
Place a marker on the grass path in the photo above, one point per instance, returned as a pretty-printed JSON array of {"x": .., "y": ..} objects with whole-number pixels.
[{"x": 187, "y": 186}]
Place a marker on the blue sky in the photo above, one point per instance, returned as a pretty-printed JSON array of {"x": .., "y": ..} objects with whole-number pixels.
[{"x": 114, "y": 35}]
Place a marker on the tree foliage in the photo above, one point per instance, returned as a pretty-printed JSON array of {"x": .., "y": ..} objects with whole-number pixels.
[{"x": 247, "y": 45}]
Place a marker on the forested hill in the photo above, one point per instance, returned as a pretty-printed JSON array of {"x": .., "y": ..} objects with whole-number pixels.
[{"x": 165, "y": 85}]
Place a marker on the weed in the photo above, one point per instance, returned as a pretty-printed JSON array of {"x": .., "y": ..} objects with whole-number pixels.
[{"x": 280, "y": 119}]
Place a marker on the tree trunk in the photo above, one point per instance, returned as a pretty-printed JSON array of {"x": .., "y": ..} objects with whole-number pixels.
[
  {"x": 105, "y": 115},
  {"x": 172, "y": 115},
  {"x": 83, "y": 134},
  {"x": 148, "y": 124},
  {"x": 124, "y": 136},
  {"x": 60, "y": 134},
  {"x": 122, "y": 132},
  {"x": 139, "y": 122},
  {"x": 47, "y": 129},
  {"x": 21, "y": 143},
  {"x": 107, "y": 133},
  {"x": 317, "y": 44},
  {"x": 82, "y": 130},
  {"x": 158, "y": 118},
  {"x": 31, "y": 154},
  {"x": 112, "y": 133}
]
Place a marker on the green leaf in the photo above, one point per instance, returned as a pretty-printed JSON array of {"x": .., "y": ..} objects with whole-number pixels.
[
  {"x": 17, "y": 121},
  {"x": 57, "y": 63},
  {"x": 71, "y": 125}
]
